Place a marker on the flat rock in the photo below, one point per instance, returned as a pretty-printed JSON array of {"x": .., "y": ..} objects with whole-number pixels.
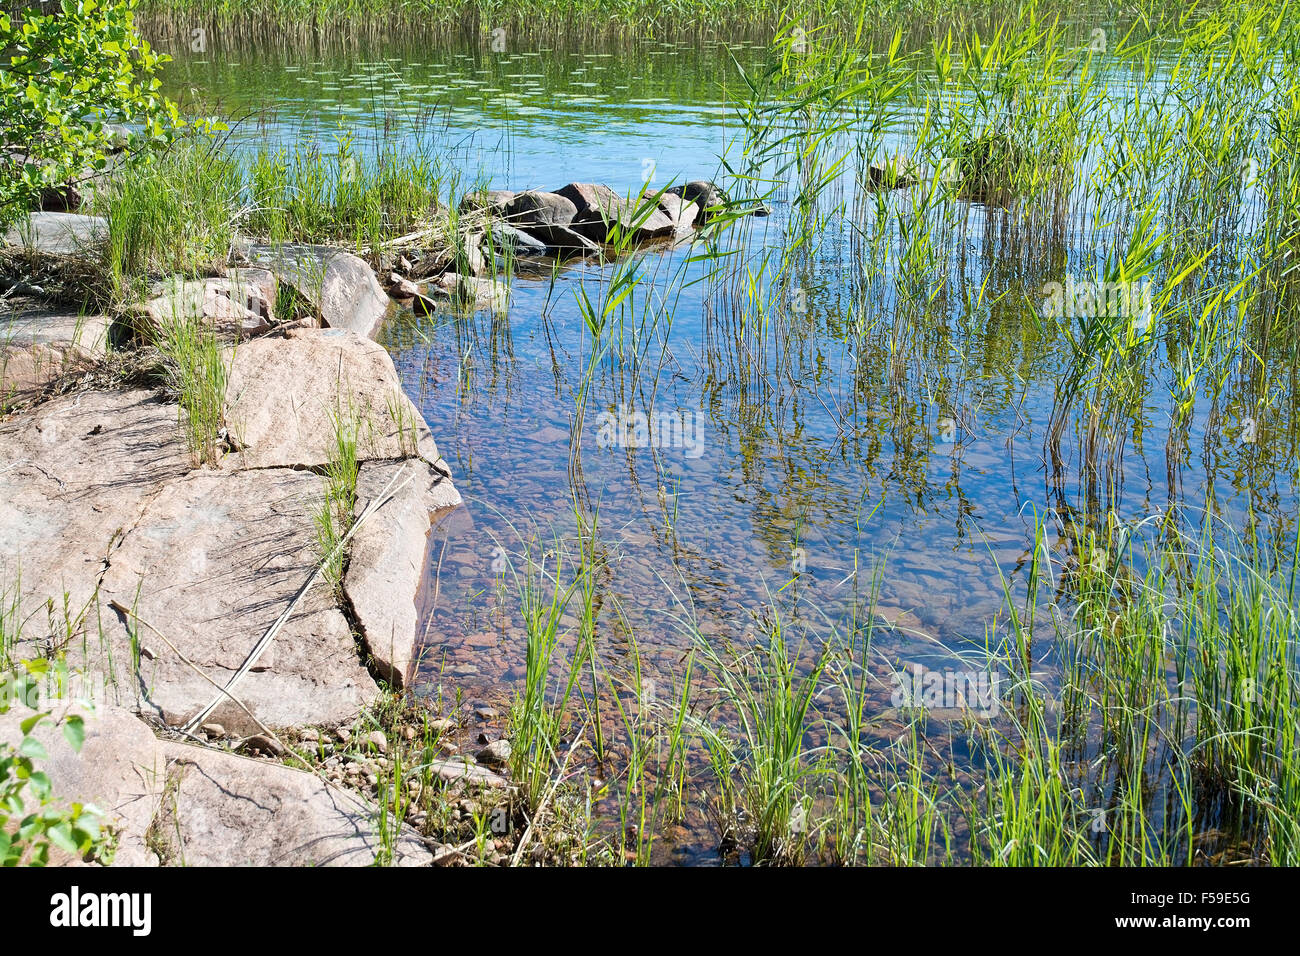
[
  {"x": 561, "y": 241},
  {"x": 41, "y": 325},
  {"x": 120, "y": 769},
  {"x": 74, "y": 473},
  {"x": 386, "y": 581},
  {"x": 463, "y": 769},
  {"x": 39, "y": 346},
  {"x": 284, "y": 394},
  {"x": 341, "y": 286},
  {"x": 236, "y": 811},
  {"x": 214, "y": 559},
  {"x": 57, "y": 233},
  {"x": 600, "y": 211}
]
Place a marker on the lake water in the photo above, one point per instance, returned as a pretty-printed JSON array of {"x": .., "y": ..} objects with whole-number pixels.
[{"x": 856, "y": 438}]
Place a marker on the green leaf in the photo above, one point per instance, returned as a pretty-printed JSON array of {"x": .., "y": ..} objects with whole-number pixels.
[
  {"x": 27, "y": 725},
  {"x": 74, "y": 731}
]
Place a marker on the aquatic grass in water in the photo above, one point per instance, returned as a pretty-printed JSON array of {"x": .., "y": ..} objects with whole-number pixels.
[{"x": 916, "y": 319}]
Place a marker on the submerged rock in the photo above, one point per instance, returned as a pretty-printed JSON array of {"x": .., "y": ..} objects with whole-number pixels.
[{"x": 474, "y": 293}]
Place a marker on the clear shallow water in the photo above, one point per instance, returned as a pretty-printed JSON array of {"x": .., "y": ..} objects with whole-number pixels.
[{"x": 861, "y": 439}]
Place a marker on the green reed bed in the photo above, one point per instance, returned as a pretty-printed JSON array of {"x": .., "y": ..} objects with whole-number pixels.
[{"x": 502, "y": 26}]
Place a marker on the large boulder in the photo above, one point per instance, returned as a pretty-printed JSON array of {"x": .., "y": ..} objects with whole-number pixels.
[
  {"x": 57, "y": 233},
  {"x": 226, "y": 810},
  {"x": 599, "y": 210},
  {"x": 78, "y": 471},
  {"x": 536, "y": 208},
  {"x": 285, "y": 396},
  {"x": 208, "y": 566},
  {"x": 120, "y": 769},
  {"x": 547, "y": 217},
  {"x": 342, "y": 287},
  {"x": 387, "y": 580}
]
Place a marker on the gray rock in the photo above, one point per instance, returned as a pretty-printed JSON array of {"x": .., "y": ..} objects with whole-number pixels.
[
  {"x": 472, "y": 293},
  {"x": 534, "y": 208},
  {"x": 39, "y": 346},
  {"x": 211, "y": 562},
  {"x": 600, "y": 210},
  {"x": 378, "y": 741},
  {"x": 461, "y": 769},
  {"x": 899, "y": 172},
  {"x": 58, "y": 233},
  {"x": 284, "y": 395},
  {"x": 341, "y": 287},
  {"x": 399, "y": 287},
  {"x": 492, "y": 201},
  {"x": 703, "y": 193},
  {"x": 506, "y": 239},
  {"x": 681, "y": 214},
  {"x": 120, "y": 769},
  {"x": 386, "y": 579},
  {"x": 497, "y": 753},
  {"x": 226, "y": 810},
  {"x": 78, "y": 470}
]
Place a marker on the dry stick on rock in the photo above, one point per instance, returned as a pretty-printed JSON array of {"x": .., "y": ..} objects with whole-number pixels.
[
  {"x": 379, "y": 501},
  {"x": 123, "y": 609}
]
